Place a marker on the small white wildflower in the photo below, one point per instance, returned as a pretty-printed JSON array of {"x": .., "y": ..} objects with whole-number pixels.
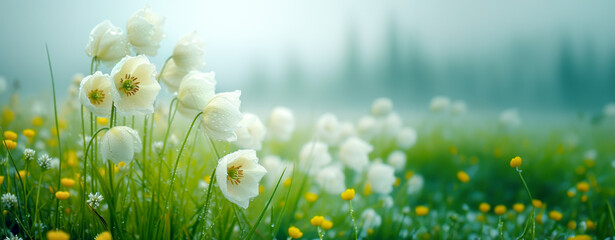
[
  {"x": 382, "y": 107},
  {"x": 28, "y": 154},
  {"x": 397, "y": 159},
  {"x": 406, "y": 137},
  {"x": 9, "y": 200},
  {"x": 44, "y": 161},
  {"x": 12, "y": 237},
  {"x": 510, "y": 117},
  {"x": 157, "y": 146},
  {"x": 95, "y": 199},
  {"x": 439, "y": 103}
]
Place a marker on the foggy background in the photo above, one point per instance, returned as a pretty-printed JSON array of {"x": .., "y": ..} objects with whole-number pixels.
[{"x": 548, "y": 56}]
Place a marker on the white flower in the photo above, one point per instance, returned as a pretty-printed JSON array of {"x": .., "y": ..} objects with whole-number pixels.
[
  {"x": 95, "y": 94},
  {"x": 387, "y": 201},
  {"x": 381, "y": 177},
  {"x": 367, "y": 127},
  {"x": 397, "y": 159},
  {"x": 459, "y": 107},
  {"x": 590, "y": 154},
  {"x": 281, "y": 123},
  {"x": 120, "y": 144},
  {"x": 415, "y": 184},
  {"x": 382, "y": 107},
  {"x": 134, "y": 88},
  {"x": 609, "y": 109},
  {"x": 9, "y": 200},
  {"x": 354, "y": 153},
  {"x": 439, "y": 103},
  {"x": 28, "y": 154},
  {"x": 188, "y": 52},
  {"x": 107, "y": 43},
  {"x": 313, "y": 156},
  {"x": 371, "y": 219},
  {"x": 275, "y": 166},
  {"x": 195, "y": 91},
  {"x": 144, "y": 30},
  {"x": 331, "y": 179},
  {"x": 13, "y": 237},
  {"x": 221, "y": 116},
  {"x": 347, "y": 130},
  {"x": 238, "y": 174},
  {"x": 172, "y": 75},
  {"x": 391, "y": 124},
  {"x": 406, "y": 137},
  {"x": 95, "y": 199},
  {"x": 251, "y": 132},
  {"x": 510, "y": 118},
  {"x": 328, "y": 129},
  {"x": 44, "y": 161}
]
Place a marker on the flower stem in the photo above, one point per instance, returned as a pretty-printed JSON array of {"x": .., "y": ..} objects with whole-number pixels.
[
  {"x": 38, "y": 193},
  {"x": 163, "y": 67},
  {"x": 55, "y": 113},
  {"x": 354, "y": 223}
]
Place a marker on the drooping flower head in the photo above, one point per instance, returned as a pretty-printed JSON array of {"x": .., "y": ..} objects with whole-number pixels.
[
  {"x": 144, "y": 30},
  {"x": 251, "y": 132},
  {"x": 238, "y": 175},
  {"x": 354, "y": 153},
  {"x": 172, "y": 75},
  {"x": 107, "y": 43},
  {"x": 120, "y": 144},
  {"x": 134, "y": 88},
  {"x": 221, "y": 116},
  {"x": 281, "y": 123},
  {"x": 95, "y": 94},
  {"x": 195, "y": 91},
  {"x": 188, "y": 52}
]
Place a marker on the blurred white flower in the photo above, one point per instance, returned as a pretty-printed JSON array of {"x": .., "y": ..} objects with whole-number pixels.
[
  {"x": 281, "y": 123},
  {"x": 370, "y": 220},
  {"x": 44, "y": 161},
  {"x": 510, "y": 118},
  {"x": 439, "y": 103},
  {"x": 188, "y": 52},
  {"x": 313, "y": 156},
  {"x": 609, "y": 110},
  {"x": 381, "y": 177},
  {"x": 387, "y": 201},
  {"x": 328, "y": 129},
  {"x": 331, "y": 180},
  {"x": 251, "y": 132},
  {"x": 354, "y": 153},
  {"x": 382, "y": 107},
  {"x": 195, "y": 91},
  {"x": 134, "y": 88},
  {"x": 367, "y": 127},
  {"x": 391, "y": 124},
  {"x": 406, "y": 137},
  {"x": 415, "y": 184},
  {"x": 28, "y": 154},
  {"x": 119, "y": 144},
  {"x": 347, "y": 130},
  {"x": 107, "y": 43},
  {"x": 95, "y": 94},
  {"x": 275, "y": 166},
  {"x": 590, "y": 154},
  {"x": 144, "y": 30},
  {"x": 397, "y": 159},
  {"x": 221, "y": 116},
  {"x": 459, "y": 107},
  {"x": 238, "y": 174},
  {"x": 9, "y": 200},
  {"x": 77, "y": 78},
  {"x": 172, "y": 75}
]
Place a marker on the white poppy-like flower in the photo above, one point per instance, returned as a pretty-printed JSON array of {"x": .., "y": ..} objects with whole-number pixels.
[
  {"x": 382, "y": 107},
  {"x": 415, "y": 184},
  {"x": 371, "y": 220},
  {"x": 397, "y": 159},
  {"x": 281, "y": 123},
  {"x": 275, "y": 166},
  {"x": 313, "y": 156},
  {"x": 221, "y": 116},
  {"x": 367, "y": 127},
  {"x": 609, "y": 110},
  {"x": 459, "y": 107},
  {"x": 95, "y": 94},
  {"x": 510, "y": 117},
  {"x": 251, "y": 132},
  {"x": 238, "y": 174},
  {"x": 134, "y": 88},
  {"x": 347, "y": 130},
  {"x": 406, "y": 137},
  {"x": 381, "y": 177},
  {"x": 439, "y": 103},
  {"x": 172, "y": 75},
  {"x": 328, "y": 129},
  {"x": 354, "y": 153},
  {"x": 107, "y": 43},
  {"x": 144, "y": 30},
  {"x": 195, "y": 91},
  {"x": 119, "y": 144},
  {"x": 391, "y": 124},
  {"x": 189, "y": 51},
  {"x": 331, "y": 180}
]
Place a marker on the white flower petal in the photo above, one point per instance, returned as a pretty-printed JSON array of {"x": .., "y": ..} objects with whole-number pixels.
[{"x": 221, "y": 116}]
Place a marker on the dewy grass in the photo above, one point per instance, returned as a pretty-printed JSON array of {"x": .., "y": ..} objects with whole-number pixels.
[{"x": 55, "y": 115}]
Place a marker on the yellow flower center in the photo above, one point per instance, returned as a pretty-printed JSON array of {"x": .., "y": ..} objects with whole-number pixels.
[
  {"x": 234, "y": 174},
  {"x": 96, "y": 96},
  {"x": 129, "y": 83}
]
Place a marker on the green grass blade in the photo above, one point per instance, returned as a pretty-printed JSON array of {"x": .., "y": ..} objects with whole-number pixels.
[{"x": 260, "y": 217}]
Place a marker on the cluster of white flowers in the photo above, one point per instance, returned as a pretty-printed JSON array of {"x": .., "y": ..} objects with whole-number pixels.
[
  {"x": 9, "y": 200},
  {"x": 94, "y": 200},
  {"x": 45, "y": 162},
  {"x": 442, "y": 103},
  {"x": 29, "y": 154}
]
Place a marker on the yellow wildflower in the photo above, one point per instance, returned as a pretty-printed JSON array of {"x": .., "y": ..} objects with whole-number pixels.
[
  {"x": 57, "y": 235},
  {"x": 421, "y": 210},
  {"x": 294, "y": 232},
  {"x": 516, "y": 162},
  {"x": 463, "y": 177},
  {"x": 348, "y": 194}
]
